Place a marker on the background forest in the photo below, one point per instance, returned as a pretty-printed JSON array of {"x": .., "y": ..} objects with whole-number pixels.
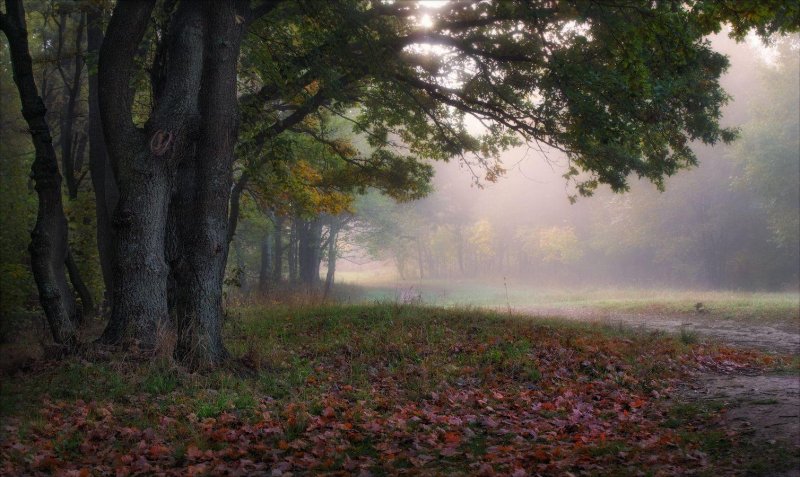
[{"x": 731, "y": 223}]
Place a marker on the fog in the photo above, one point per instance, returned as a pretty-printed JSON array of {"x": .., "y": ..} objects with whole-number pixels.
[{"x": 729, "y": 224}]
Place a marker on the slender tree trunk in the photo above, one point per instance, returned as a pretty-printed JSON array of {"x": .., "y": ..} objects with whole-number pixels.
[
  {"x": 49, "y": 239},
  {"x": 236, "y": 196},
  {"x": 292, "y": 253},
  {"x": 333, "y": 235},
  {"x": 103, "y": 182},
  {"x": 265, "y": 270},
  {"x": 277, "y": 263},
  {"x": 87, "y": 303},
  {"x": 200, "y": 328},
  {"x": 69, "y": 114},
  {"x": 244, "y": 284}
]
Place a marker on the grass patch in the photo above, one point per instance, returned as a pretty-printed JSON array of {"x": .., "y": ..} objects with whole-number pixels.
[{"x": 773, "y": 307}]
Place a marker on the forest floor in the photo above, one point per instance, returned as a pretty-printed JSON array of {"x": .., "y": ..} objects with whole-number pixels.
[
  {"x": 762, "y": 404},
  {"x": 404, "y": 389}
]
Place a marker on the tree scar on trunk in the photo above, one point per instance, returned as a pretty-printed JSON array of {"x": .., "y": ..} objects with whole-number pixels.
[{"x": 160, "y": 142}]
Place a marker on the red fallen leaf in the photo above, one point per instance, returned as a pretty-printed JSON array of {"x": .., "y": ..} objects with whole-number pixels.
[
  {"x": 548, "y": 406},
  {"x": 346, "y": 426},
  {"x": 541, "y": 455},
  {"x": 452, "y": 437},
  {"x": 196, "y": 469},
  {"x": 283, "y": 445},
  {"x": 157, "y": 450},
  {"x": 328, "y": 412},
  {"x": 638, "y": 403},
  {"x": 192, "y": 452}
]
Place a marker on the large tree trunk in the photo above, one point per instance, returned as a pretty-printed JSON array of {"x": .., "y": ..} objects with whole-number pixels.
[
  {"x": 200, "y": 320},
  {"x": 145, "y": 164},
  {"x": 103, "y": 182},
  {"x": 49, "y": 242}
]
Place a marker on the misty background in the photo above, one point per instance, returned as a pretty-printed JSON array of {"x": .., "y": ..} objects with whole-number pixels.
[{"x": 732, "y": 223}]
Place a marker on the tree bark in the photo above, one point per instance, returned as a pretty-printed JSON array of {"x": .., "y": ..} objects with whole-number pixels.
[
  {"x": 49, "y": 239},
  {"x": 292, "y": 252},
  {"x": 87, "y": 303},
  {"x": 200, "y": 320},
  {"x": 309, "y": 235},
  {"x": 103, "y": 181},
  {"x": 69, "y": 114},
  {"x": 145, "y": 164},
  {"x": 236, "y": 197},
  {"x": 277, "y": 263},
  {"x": 265, "y": 270},
  {"x": 333, "y": 235}
]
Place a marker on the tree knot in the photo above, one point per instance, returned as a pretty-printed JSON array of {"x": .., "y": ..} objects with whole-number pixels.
[{"x": 160, "y": 142}]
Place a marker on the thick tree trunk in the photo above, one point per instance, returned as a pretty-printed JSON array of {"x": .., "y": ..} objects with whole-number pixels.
[
  {"x": 103, "y": 182},
  {"x": 200, "y": 320},
  {"x": 144, "y": 164},
  {"x": 48, "y": 246}
]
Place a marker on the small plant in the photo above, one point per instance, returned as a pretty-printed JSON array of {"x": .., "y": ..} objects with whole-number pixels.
[
  {"x": 688, "y": 336},
  {"x": 160, "y": 382}
]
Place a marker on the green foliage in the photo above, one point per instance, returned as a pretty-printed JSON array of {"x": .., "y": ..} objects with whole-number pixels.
[
  {"x": 559, "y": 244},
  {"x": 17, "y": 200}
]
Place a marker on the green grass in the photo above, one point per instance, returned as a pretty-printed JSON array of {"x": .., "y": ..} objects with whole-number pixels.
[{"x": 726, "y": 305}]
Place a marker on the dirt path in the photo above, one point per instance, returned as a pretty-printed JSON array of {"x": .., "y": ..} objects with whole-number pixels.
[
  {"x": 781, "y": 338},
  {"x": 764, "y": 407}
]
